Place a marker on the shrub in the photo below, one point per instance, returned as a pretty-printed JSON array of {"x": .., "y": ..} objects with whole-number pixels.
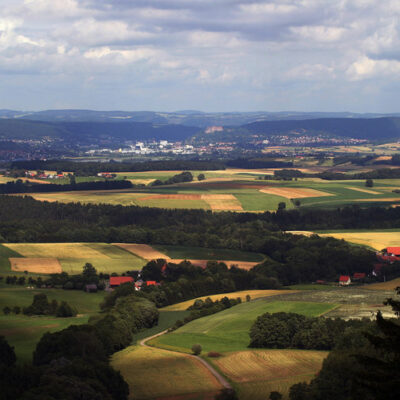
[
  {"x": 6, "y": 310},
  {"x": 196, "y": 348}
]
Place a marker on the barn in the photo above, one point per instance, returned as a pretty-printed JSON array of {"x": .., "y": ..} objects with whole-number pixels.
[
  {"x": 344, "y": 280},
  {"x": 116, "y": 281}
]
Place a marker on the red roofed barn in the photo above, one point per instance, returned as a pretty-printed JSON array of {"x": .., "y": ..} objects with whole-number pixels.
[
  {"x": 395, "y": 251},
  {"x": 116, "y": 281},
  {"x": 344, "y": 280}
]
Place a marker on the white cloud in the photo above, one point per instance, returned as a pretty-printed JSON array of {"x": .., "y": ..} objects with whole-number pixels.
[
  {"x": 319, "y": 33},
  {"x": 366, "y": 68}
]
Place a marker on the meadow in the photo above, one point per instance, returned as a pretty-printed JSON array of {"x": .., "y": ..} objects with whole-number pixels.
[
  {"x": 23, "y": 332},
  {"x": 228, "y": 330}
]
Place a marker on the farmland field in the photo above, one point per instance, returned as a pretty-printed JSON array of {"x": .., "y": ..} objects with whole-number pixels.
[
  {"x": 377, "y": 240},
  {"x": 24, "y": 332},
  {"x": 73, "y": 256},
  {"x": 389, "y": 285},
  {"x": 258, "y": 372},
  {"x": 238, "y": 190},
  {"x": 200, "y": 253},
  {"x": 228, "y": 330},
  {"x": 155, "y": 373},
  {"x": 254, "y": 294}
]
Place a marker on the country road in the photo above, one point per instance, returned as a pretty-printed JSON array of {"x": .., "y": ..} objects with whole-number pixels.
[{"x": 219, "y": 377}]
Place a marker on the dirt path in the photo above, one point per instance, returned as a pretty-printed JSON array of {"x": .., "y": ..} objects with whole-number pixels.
[{"x": 219, "y": 377}]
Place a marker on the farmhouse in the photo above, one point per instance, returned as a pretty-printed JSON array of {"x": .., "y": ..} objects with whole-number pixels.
[
  {"x": 393, "y": 251},
  {"x": 344, "y": 280},
  {"x": 116, "y": 281},
  {"x": 91, "y": 288}
]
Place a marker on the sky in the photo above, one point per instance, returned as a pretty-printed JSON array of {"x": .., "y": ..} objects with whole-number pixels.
[{"x": 210, "y": 55}]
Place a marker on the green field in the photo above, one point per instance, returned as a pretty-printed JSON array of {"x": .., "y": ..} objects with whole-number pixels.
[
  {"x": 228, "y": 330},
  {"x": 105, "y": 257},
  {"x": 199, "y": 253},
  {"x": 23, "y": 332},
  {"x": 244, "y": 185}
]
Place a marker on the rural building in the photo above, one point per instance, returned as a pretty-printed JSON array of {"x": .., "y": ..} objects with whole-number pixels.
[
  {"x": 116, "y": 281},
  {"x": 151, "y": 283},
  {"x": 393, "y": 251},
  {"x": 344, "y": 280},
  {"x": 359, "y": 275}
]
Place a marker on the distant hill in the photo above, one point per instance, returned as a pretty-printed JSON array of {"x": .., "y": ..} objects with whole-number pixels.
[
  {"x": 183, "y": 117},
  {"x": 91, "y": 132},
  {"x": 359, "y": 128}
]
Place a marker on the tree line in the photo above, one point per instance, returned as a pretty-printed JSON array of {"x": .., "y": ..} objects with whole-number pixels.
[
  {"x": 93, "y": 168},
  {"x": 290, "y": 330},
  {"x": 20, "y": 186}
]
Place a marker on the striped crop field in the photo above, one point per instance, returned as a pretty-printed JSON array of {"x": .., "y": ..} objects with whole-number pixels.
[{"x": 153, "y": 373}]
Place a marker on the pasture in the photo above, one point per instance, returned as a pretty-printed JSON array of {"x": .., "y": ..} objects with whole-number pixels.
[
  {"x": 228, "y": 330},
  {"x": 24, "y": 332},
  {"x": 389, "y": 285},
  {"x": 153, "y": 373},
  {"x": 72, "y": 257}
]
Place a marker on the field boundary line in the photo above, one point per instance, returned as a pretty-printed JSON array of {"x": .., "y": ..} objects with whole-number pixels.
[{"x": 213, "y": 371}]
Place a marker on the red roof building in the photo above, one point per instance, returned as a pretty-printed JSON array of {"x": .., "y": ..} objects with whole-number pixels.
[
  {"x": 119, "y": 280},
  {"x": 151, "y": 283},
  {"x": 359, "y": 275},
  {"x": 344, "y": 280},
  {"x": 393, "y": 250}
]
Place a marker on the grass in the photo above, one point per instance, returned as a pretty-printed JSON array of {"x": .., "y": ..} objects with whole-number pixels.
[
  {"x": 166, "y": 320},
  {"x": 5, "y": 254},
  {"x": 312, "y": 287},
  {"x": 105, "y": 257},
  {"x": 23, "y": 332},
  {"x": 199, "y": 253},
  {"x": 254, "y": 294},
  {"x": 155, "y": 373},
  {"x": 228, "y": 330},
  {"x": 258, "y": 372}
]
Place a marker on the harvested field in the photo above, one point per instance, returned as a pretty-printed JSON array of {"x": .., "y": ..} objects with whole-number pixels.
[
  {"x": 58, "y": 250},
  {"x": 295, "y": 193},
  {"x": 362, "y": 190},
  {"x": 376, "y": 240},
  {"x": 171, "y": 197},
  {"x": 222, "y": 202},
  {"x": 153, "y": 373},
  {"x": 389, "y": 285},
  {"x": 380, "y": 199},
  {"x": 254, "y": 294},
  {"x": 143, "y": 250},
  {"x": 36, "y": 265},
  {"x": 262, "y": 365}
]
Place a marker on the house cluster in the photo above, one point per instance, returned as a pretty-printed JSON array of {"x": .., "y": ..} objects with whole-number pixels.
[
  {"x": 43, "y": 175},
  {"x": 107, "y": 175},
  {"x": 388, "y": 256},
  {"x": 116, "y": 281}
]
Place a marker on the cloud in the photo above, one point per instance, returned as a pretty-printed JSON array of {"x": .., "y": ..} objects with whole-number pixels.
[{"x": 255, "y": 51}]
